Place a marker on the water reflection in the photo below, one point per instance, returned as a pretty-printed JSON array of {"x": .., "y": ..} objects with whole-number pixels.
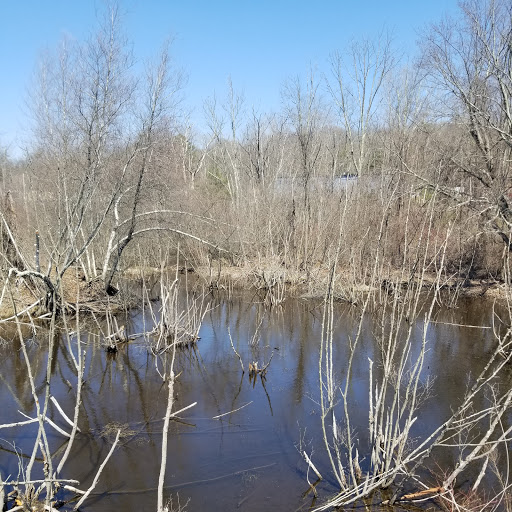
[{"x": 247, "y": 459}]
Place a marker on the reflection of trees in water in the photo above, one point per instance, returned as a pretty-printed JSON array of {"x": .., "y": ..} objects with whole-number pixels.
[{"x": 125, "y": 389}]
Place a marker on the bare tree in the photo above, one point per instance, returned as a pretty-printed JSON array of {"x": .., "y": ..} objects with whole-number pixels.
[
  {"x": 192, "y": 158},
  {"x": 469, "y": 62},
  {"x": 155, "y": 109},
  {"x": 97, "y": 126},
  {"x": 305, "y": 114},
  {"x": 257, "y": 146},
  {"x": 355, "y": 86},
  {"x": 407, "y": 112},
  {"x": 224, "y": 121},
  {"x": 81, "y": 109}
]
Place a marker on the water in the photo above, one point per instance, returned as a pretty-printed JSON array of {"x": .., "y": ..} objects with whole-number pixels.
[{"x": 249, "y": 459}]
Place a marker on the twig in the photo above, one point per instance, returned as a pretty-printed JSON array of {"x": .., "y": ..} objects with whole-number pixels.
[
  {"x": 165, "y": 433},
  {"x": 234, "y": 410},
  {"x": 21, "y": 313},
  {"x": 312, "y": 466},
  {"x": 80, "y": 380},
  {"x": 264, "y": 369},
  {"x": 73, "y": 489},
  {"x": 423, "y": 494},
  {"x": 50, "y": 422},
  {"x": 461, "y": 325},
  {"x": 181, "y": 410},
  {"x": 64, "y": 415},
  {"x": 311, "y": 488},
  {"x": 96, "y": 478},
  {"x": 19, "y": 423},
  {"x": 41, "y": 481}
]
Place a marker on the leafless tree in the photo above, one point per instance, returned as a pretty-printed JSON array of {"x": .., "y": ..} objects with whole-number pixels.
[
  {"x": 80, "y": 109},
  {"x": 302, "y": 103},
  {"x": 224, "y": 121},
  {"x": 469, "y": 64},
  {"x": 97, "y": 127},
  {"x": 155, "y": 110},
  {"x": 355, "y": 87},
  {"x": 32, "y": 490}
]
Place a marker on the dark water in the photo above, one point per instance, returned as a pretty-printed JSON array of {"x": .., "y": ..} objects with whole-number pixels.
[{"x": 246, "y": 460}]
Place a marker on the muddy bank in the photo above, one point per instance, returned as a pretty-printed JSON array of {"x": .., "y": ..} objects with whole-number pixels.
[{"x": 273, "y": 285}]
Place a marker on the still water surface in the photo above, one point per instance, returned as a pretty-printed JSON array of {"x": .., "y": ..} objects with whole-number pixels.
[{"x": 246, "y": 460}]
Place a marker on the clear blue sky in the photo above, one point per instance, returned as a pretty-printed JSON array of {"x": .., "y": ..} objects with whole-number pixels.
[{"x": 258, "y": 43}]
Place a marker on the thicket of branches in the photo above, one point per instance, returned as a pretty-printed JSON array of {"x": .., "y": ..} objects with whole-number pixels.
[
  {"x": 378, "y": 180},
  {"x": 115, "y": 167}
]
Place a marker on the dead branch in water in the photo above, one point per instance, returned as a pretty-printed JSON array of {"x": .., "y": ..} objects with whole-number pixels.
[
  {"x": 234, "y": 350},
  {"x": 97, "y": 476},
  {"x": 422, "y": 494},
  {"x": 254, "y": 368},
  {"x": 231, "y": 412},
  {"x": 311, "y": 465}
]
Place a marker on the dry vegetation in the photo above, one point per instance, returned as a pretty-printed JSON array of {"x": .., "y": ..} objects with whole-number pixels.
[
  {"x": 115, "y": 177},
  {"x": 374, "y": 184}
]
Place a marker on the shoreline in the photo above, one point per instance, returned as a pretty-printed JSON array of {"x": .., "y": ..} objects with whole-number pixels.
[{"x": 275, "y": 285}]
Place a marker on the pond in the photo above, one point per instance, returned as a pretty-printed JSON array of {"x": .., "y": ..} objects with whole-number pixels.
[{"x": 239, "y": 446}]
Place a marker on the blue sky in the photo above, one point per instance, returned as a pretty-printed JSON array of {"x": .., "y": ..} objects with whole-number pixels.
[{"x": 258, "y": 43}]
